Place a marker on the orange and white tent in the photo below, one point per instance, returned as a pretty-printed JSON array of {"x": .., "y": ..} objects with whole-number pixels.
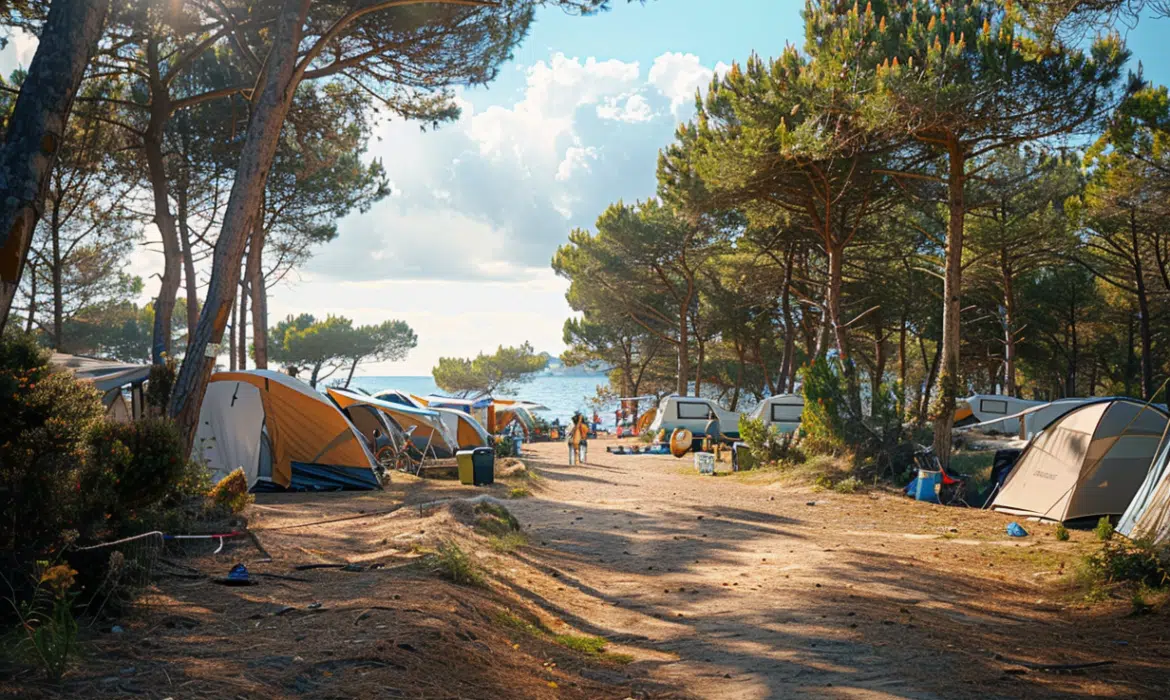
[{"x": 285, "y": 435}]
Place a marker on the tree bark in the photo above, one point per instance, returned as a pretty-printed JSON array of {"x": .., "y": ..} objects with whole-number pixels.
[
  {"x": 192, "y": 282},
  {"x": 789, "y": 358},
  {"x": 242, "y": 327},
  {"x": 248, "y": 286},
  {"x": 260, "y": 320},
  {"x": 164, "y": 220},
  {"x": 32, "y": 300},
  {"x": 949, "y": 379},
  {"x": 58, "y": 293},
  {"x": 36, "y": 129},
  {"x": 256, "y": 156},
  {"x": 349, "y": 377},
  {"x": 1143, "y": 311},
  {"x": 1009, "y": 326},
  {"x": 231, "y": 342},
  {"x": 682, "y": 386}
]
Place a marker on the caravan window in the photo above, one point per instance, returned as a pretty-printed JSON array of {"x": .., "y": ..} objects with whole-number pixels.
[
  {"x": 999, "y": 408},
  {"x": 693, "y": 410},
  {"x": 782, "y": 413}
]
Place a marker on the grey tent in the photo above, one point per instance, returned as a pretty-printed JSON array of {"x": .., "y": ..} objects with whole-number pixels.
[
  {"x": 1088, "y": 463},
  {"x": 1148, "y": 515}
]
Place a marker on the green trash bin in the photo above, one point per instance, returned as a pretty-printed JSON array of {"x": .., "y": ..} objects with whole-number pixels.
[
  {"x": 483, "y": 460},
  {"x": 465, "y": 459},
  {"x": 742, "y": 458}
]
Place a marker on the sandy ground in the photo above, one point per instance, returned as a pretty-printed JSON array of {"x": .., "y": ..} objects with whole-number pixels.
[
  {"x": 727, "y": 586},
  {"x": 764, "y": 591}
]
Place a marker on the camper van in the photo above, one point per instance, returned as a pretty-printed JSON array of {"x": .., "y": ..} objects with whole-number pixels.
[
  {"x": 693, "y": 413},
  {"x": 781, "y": 411},
  {"x": 982, "y": 408}
]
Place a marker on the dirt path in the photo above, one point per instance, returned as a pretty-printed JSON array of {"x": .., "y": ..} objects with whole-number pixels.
[
  {"x": 710, "y": 587},
  {"x": 754, "y": 590}
]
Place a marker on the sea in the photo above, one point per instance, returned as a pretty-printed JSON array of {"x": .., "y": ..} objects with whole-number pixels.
[{"x": 564, "y": 395}]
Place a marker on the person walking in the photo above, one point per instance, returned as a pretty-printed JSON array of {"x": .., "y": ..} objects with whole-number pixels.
[{"x": 578, "y": 440}]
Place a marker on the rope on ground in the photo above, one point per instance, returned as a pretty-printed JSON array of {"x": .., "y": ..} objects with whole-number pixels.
[{"x": 359, "y": 516}]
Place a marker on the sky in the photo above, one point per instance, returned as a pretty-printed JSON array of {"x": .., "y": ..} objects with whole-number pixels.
[{"x": 574, "y": 122}]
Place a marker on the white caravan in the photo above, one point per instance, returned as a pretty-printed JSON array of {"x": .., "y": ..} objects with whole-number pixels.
[
  {"x": 693, "y": 413},
  {"x": 782, "y": 411}
]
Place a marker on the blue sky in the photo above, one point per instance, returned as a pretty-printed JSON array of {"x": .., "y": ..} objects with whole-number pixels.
[{"x": 461, "y": 249}]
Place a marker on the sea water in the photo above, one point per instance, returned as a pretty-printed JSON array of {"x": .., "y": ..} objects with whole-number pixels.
[{"x": 564, "y": 395}]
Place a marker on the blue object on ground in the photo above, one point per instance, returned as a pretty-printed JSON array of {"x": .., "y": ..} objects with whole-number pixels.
[
  {"x": 517, "y": 442},
  {"x": 239, "y": 572},
  {"x": 1015, "y": 530},
  {"x": 925, "y": 488}
]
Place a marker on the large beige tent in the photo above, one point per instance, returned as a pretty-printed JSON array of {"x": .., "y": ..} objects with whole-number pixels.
[{"x": 1088, "y": 463}]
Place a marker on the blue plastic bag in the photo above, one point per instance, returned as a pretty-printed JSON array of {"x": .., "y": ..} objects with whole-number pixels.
[
  {"x": 239, "y": 572},
  {"x": 1015, "y": 530}
]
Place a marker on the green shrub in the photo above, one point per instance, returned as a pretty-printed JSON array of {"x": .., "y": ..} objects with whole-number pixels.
[
  {"x": 45, "y": 419},
  {"x": 144, "y": 458},
  {"x": 453, "y": 564},
  {"x": 834, "y": 420},
  {"x": 765, "y": 441},
  {"x": 849, "y": 485},
  {"x": 1061, "y": 533},
  {"x": 1104, "y": 529},
  {"x": 47, "y": 630},
  {"x": 232, "y": 492},
  {"x": 159, "y": 387},
  {"x": 1135, "y": 563},
  {"x": 493, "y": 519},
  {"x": 504, "y": 447}
]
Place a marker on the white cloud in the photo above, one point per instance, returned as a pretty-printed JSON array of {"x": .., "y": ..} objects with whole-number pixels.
[
  {"x": 479, "y": 206},
  {"x": 678, "y": 76}
]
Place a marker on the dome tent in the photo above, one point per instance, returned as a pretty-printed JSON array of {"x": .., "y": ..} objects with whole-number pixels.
[
  {"x": 1088, "y": 463},
  {"x": 285, "y": 435},
  {"x": 1148, "y": 515}
]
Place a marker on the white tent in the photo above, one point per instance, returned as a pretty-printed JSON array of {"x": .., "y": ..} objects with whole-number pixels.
[
  {"x": 1090, "y": 462},
  {"x": 1148, "y": 515}
]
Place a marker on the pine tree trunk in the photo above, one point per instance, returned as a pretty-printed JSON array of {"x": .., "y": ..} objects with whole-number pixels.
[
  {"x": 1143, "y": 301},
  {"x": 164, "y": 220},
  {"x": 32, "y": 299},
  {"x": 260, "y": 320},
  {"x": 256, "y": 156},
  {"x": 242, "y": 328},
  {"x": 247, "y": 285},
  {"x": 192, "y": 282},
  {"x": 949, "y": 380},
  {"x": 789, "y": 358},
  {"x": 58, "y": 293},
  {"x": 682, "y": 386},
  {"x": 349, "y": 377},
  {"x": 37, "y": 126},
  {"x": 1009, "y": 327},
  {"x": 231, "y": 342}
]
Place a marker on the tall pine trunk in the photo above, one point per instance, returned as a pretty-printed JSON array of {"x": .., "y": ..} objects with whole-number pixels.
[
  {"x": 256, "y": 156},
  {"x": 242, "y": 320},
  {"x": 682, "y": 386},
  {"x": 260, "y": 320},
  {"x": 248, "y": 286},
  {"x": 164, "y": 220},
  {"x": 949, "y": 380},
  {"x": 58, "y": 292},
  {"x": 1009, "y": 326},
  {"x": 36, "y": 128},
  {"x": 1143, "y": 301},
  {"x": 189, "y": 278}
]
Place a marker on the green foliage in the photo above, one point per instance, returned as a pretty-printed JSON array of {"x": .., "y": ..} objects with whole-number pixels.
[
  {"x": 323, "y": 347},
  {"x": 453, "y": 564},
  {"x": 48, "y": 417},
  {"x": 486, "y": 375},
  {"x": 232, "y": 492},
  {"x": 849, "y": 485},
  {"x": 833, "y": 425},
  {"x": 494, "y": 519},
  {"x": 504, "y": 447},
  {"x": 130, "y": 466},
  {"x": 765, "y": 441},
  {"x": 1137, "y": 563},
  {"x": 1104, "y": 529},
  {"x": 160, "y": 386},
  {"x": 1061, "y": 533},
  {"x": 48, "y": 629}
]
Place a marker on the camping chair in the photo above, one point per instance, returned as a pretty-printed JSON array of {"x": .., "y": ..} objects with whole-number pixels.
[{"x": 953, "y": 489}]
